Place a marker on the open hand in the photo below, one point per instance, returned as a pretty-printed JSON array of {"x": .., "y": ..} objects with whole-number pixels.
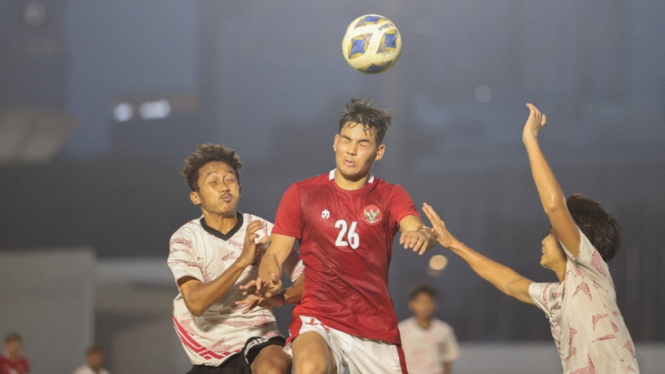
[
  {"x": 248, "y": 253},
  {"x": 415, "y": 240},
  {"x": 534, "y": 123},
  {"x": 441, "y": 233},
  {"x": 252, "y": 301},
  {"x": 264, "y": 288}
]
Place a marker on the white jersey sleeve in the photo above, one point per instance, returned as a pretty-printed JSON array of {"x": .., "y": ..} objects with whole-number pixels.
[
  {"x": 183, "y": 259},
  {"x": 545, "y": 296},
  {"x": 589, "y": 260}
]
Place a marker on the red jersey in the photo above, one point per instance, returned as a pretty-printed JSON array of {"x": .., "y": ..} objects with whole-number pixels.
[
  {"x": 346, "y": 242},
  {"x": 19, "y": 365}
]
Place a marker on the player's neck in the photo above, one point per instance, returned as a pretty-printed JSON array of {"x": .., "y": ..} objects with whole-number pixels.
[
  {"x": 221, "y": 222},
  {"x": 425, "y": 323},
  {"x": 560, "y": 270},
  {"x": 350, "y": 184}
]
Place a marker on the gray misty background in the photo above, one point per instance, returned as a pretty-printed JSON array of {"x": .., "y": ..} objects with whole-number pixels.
[{"x": 268, "y": 79}]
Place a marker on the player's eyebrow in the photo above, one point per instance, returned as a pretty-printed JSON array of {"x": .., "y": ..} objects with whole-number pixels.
[{"x": 364, "y": 140}]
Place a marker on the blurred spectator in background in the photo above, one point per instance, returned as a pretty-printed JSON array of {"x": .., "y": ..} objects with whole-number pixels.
[
  {"x": 429, "y": 344},
  {"x": 94, "y": 359},
  {"x": 11, "y": 361}
]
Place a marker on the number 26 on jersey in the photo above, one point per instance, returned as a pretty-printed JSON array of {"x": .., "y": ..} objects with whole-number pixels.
[{"x": 347, "y": 237}]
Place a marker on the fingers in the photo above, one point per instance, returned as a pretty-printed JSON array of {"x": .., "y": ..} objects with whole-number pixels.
[
  {"x": 248, "y": 288},
  {"x": 249, "y": 303},
  {"x": 253, "y": 227},
  {"x": 259, "y": 283},
  {"x": 543, "y": 121},
  {"x": 414, "y": 240},
  {"x": 432, "y": 215}
]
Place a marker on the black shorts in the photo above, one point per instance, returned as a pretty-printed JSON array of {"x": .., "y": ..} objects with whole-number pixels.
[{"x": 240, "y": 363}]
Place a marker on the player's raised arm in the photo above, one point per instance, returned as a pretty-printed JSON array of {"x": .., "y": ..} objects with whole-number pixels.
[
  {"x": 415, "y": 235},
  {"x": 502, "y": 277},
  {"x": 199, "y": 296},
  {"x": 549, "y": 190}
]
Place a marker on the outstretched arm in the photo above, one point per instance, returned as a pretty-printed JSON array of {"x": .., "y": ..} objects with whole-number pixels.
[
  {"x": 200, "y": 296},
  {"x": 500, "y": 276},
  {"x": 549, "y": 190},
  {"x": 414, "y": 235}
]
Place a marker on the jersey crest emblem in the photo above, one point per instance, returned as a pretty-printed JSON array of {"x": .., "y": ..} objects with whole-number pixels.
[
  {"x": 325, "y": 214},
  {"x": 372, "y": 214}
]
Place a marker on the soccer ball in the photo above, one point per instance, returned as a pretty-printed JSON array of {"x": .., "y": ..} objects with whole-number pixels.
[{"x": 372, "y": 44}]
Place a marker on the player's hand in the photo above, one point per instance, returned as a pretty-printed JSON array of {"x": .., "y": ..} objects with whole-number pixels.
[
  {"x": 534, "y": 123},
  {"x": 415, "y": 240},
  {"x": 248, "y": 253},
  {"x": 441, "y": 233},
  {"x": 252, "y": 301},
  {"x": 264, "y": 288}
]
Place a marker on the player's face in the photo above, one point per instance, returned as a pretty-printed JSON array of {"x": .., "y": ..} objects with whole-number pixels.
[
  {"x": 219, "y": 190},
  {"x": 13, "y": 347},
  {"x": 96, "y": 360},
  {"x": 356, "y": 149},
  {"x": 552, "y": 252},
  {"x": 422, "y": 306}
]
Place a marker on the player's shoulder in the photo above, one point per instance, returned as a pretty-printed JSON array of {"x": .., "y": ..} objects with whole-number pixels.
[
  {"x": 312, "y": 185},
  {"x": 441, "y": 325},
  {"x": 386, "y": 186},
  {"x": 407, "y": 323},
  {"x": 189, "y": 229},
  {"x": 315, "y": 180},
  {"x": 249, "y": 217}
]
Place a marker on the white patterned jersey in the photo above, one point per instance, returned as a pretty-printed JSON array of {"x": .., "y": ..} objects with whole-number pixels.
[
  {"x": 201, "y": 252},
  {"x": 426, "y": 350},
  {"x": 585, "y": 321}
]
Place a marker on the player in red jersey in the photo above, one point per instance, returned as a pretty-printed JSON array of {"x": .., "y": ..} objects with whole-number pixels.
[
  {"x": 345, "y": 221},
  {"x": 11, "y": 360}
]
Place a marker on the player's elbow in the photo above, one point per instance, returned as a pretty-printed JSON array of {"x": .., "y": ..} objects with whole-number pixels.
[
  {"x": 196, "y": 308},
  {"x": 554, "y": 204},
  {"x": 197, "y": 312}
]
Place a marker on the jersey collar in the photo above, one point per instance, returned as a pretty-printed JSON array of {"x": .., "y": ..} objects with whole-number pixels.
[
  {"x": 218, "y": 233},
  {"x": 331, "y": 176}
]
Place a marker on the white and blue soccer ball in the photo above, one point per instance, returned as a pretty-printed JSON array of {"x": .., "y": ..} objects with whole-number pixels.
[{"x": 372, "y": 44}]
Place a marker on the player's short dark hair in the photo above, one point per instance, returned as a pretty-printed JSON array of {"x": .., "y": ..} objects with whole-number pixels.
[
  {"x": 362, "y": 111},
  {"x": 204, "y": 154},
  {"x": 420, "y": 289},
  {"x": 14, "y": 336},
  {"x": 600, "y": 227}
]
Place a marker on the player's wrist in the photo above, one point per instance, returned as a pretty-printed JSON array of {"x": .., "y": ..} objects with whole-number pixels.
[{"x": 240, "y": 263}]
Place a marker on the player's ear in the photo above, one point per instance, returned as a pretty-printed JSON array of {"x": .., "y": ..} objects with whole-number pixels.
[
  {"x": 379, "y": 152},
  {"x": 194, "y": 197},
  {"x": 335, "y": 142}
]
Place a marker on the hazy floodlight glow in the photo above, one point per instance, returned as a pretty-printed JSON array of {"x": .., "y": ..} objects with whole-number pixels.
[
  {"x": 438, "y": 262},
  {"x": 155, "y": 109},
  {"x": 483, "y": 94},
  {"x": 123, "y": 112}
]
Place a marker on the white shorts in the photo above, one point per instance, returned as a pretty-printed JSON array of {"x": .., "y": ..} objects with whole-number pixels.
[{"x": 359, "y": 355}]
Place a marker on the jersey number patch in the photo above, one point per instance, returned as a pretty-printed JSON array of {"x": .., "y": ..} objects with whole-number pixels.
[{"x": 344, "y": 239}]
